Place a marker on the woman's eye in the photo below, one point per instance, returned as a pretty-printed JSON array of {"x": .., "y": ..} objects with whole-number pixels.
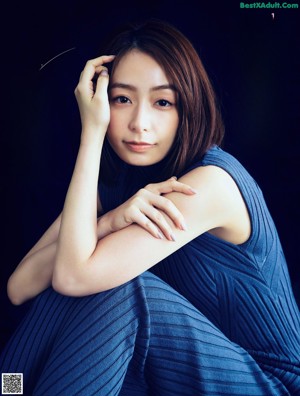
[
  {"x": 164, "y": 103},
  {"x": 120, "y": 99}
]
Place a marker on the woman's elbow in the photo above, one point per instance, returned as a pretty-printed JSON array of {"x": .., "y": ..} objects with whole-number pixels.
[
  {"x": 14, "y": 299},
  {"x": 68, "y": 284},
  {"x": 78, "y": 283},
  {"x": 63, "y": 284},
  {"x": 13, "y": 293}
]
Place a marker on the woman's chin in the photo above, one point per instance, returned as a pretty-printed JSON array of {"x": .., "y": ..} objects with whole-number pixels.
[{"x": 139, "y": 158}]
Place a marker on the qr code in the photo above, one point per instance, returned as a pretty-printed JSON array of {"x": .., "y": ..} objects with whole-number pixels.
[{"x": 12, "y": 384}]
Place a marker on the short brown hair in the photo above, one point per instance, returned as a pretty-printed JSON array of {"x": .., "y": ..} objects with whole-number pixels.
[{"x": 200, "y": 121}]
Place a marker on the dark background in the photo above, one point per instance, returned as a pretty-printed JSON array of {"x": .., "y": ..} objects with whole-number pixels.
[{"x": 251, "y": 57}]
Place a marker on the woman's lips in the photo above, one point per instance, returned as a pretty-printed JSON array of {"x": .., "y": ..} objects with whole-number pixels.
[{"x": 139, "y": 147}]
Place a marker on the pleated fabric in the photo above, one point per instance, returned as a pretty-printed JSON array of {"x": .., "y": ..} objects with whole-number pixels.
[
  {"x": 211, "y": 319},
  {"x": 244, "y": 290},
  {"x": 142, "y": 338}
]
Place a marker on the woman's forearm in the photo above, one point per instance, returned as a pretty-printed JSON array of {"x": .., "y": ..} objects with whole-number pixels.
[
  {"x": 72, "y": 237},
  {"x": 33, "y": 275},
  {"x": 78, "y": 232},
  {"x": 47, "y": 238}
]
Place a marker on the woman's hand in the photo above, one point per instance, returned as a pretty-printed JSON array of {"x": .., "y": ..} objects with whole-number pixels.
[
  {"x": 92, "y": 97},
  {"x": 144, "y": 209}
]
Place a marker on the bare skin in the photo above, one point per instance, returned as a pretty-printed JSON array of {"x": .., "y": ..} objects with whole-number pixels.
[{"x": 78, "y": 254}]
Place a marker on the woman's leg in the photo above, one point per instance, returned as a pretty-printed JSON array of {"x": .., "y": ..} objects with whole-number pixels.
[
  {"x": 69, "y": 346},
  {"x": 141, "y": 338},
  {"x": 188, "y": 355}
]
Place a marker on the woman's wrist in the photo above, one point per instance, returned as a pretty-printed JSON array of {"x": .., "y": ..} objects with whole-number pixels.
[
  {"x": 92, "y": 135},
  {"x": 104, "y": 226}
]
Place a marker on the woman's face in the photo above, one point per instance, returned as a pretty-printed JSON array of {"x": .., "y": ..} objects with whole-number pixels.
[{"x": 144, "y": 116}]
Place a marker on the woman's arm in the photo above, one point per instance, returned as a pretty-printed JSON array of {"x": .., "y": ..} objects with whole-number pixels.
[
  {"x": 34, "y": 273},
  {"x": 143, "y": 209},
  {"x": 78, "y": 232},
  {"x": 218, "y": 207}
]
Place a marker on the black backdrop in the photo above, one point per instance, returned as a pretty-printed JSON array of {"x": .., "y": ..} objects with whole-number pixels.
[{"x": 251, "y": 56}]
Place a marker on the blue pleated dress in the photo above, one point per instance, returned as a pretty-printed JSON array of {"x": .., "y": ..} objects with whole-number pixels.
[
  {"x": 244, "y": 290},
  {"x": 212, "y": 319}
]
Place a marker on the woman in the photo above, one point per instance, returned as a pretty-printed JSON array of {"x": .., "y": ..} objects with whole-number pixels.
[{"x": 215, "y": 314}]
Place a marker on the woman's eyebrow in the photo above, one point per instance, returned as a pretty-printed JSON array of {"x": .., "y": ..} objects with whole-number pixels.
[
  {"x": 122, "y": 85},
  {"x": 133, "y": 88},
  {"x": 164, "y": 86}
]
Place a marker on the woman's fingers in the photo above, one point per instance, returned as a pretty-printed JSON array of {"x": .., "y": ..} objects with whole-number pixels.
[
  {"x": 145, "y": 222},
  {"x": 156, "y": 200},
  {"x": 102, "y": 83},
  {"x": 167, "y": 206},
  {"x": 151, "y": 220},
  {"x": 152, "y": 211},
  {"x": 151, "y": 205},
  {"x": 92, "y": 70},
  {"x": 170, "y": 185},
  {"x": 93, "y": 67},
  {"x": 91, "y": 94},
  {"x": 163, "y": 228}
]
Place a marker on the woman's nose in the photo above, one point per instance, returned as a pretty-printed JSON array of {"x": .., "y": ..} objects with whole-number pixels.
[{"x": 140, "y": 121}]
